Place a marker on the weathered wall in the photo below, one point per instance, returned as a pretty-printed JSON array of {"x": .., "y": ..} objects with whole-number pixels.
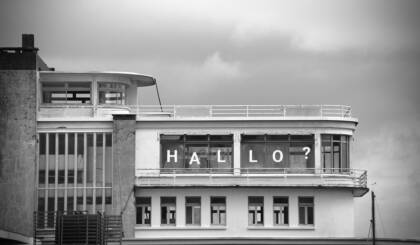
[
  {"x": 333, "y": 213},
  {"x": 18, "y": 150},
  {"x": 123, "y": 170}
]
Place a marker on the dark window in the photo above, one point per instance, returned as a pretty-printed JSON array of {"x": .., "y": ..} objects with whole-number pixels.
[
  {"x": 193, "y": 210},
  {"x": 306, "y": 210},
  {"x": 168, "y": 210},
  {"x": 277, "y": 151},
  {"x": 281, "y": 210},
  {"x": 218, "y": 210},
  {"x": 143, "y": 210},
  {"x": 255, "y": 210},
  {"x": 197, "y": 151}
]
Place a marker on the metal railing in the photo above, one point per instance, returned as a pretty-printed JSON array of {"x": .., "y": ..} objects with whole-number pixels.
[
  {"x": 357, "y": 178},
  {"x": 214, "y": 111}
]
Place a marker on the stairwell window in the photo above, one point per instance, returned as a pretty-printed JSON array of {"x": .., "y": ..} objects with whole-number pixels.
[
  {"x": 193, "y": 210},
  {"x": 143, "y": 210},
  {"x": 306, "y": 210},
  {"x": 281, "y": 210},
  {"x": 256, "y": 210},
  {"x": 168, "y": 210}
]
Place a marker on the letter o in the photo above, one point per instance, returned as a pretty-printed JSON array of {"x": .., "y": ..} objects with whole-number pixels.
[{"x": 277, "y": 159}]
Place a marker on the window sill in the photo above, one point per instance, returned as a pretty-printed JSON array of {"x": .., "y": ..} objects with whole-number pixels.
[
  {"x": 142, "y": 228},
  {"x": 280, "y": 227}
]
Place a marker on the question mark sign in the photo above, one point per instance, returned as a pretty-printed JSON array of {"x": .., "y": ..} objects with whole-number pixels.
[{"x": 307, "y": 151}]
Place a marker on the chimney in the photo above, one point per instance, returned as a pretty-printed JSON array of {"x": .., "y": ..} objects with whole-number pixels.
[{"x": 28, "y": 41}]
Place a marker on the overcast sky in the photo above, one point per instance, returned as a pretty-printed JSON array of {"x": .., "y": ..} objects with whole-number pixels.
[{"x": 365, "y": 54}]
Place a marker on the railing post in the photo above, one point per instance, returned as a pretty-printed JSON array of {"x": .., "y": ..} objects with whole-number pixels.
[
  {"x": 211, "y": 110},
  {"x": 247, "y": 110},
  {"x": 174, "y": 111}
]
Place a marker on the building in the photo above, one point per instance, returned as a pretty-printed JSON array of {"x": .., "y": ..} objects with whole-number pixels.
[{"x": 80, "y": 141}]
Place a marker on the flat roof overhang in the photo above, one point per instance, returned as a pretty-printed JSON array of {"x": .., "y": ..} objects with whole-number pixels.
[{"x": 136, "y": 79}]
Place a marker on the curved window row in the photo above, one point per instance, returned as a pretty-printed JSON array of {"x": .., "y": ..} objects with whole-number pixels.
[{"x": 81, "y": 93}]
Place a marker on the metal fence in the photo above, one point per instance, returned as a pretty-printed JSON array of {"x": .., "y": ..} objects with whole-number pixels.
[{"x": 215, "y": 111}]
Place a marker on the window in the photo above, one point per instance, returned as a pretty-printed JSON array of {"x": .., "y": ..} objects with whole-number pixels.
[
  {"x": 193, "y": 210},
  {"x": 66, "y": 92},
  {"x": 112, "y": 93},
  {"x": 168, "y": 210},
  {"x": 277, "y": 151},
  {"x": 255, "y": 210},
  {"x": 335, "y": 152},
  {"x": 306, "y": 210},
  {"x": 218, "y": 210},
  {"x": 281, "y": 210},
  {"x": 66, "y": 162},
  {"x": 197, "y": 151},
  {"x": 143, "y": 210}
]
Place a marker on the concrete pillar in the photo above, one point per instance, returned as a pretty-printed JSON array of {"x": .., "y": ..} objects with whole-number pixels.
[
  {"x": 317, "y": 151},
  {"x": 18, "y": 150},
  {"x": 124, "y": 171},
  {"x": 237, "y": 153},
  {"x": 155, "y": 210},
  {"x": 293, "y": 211},
  {"x": 180, "y": 210},
  {"x": 268, "y": 210},
  {"x": 205, "y": 211}
]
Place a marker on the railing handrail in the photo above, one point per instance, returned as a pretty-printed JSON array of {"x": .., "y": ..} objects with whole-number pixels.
[{"x": 283, "y": 111}]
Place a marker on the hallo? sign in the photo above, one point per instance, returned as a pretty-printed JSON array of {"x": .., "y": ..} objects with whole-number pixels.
[{"x": 277, "y": 156}]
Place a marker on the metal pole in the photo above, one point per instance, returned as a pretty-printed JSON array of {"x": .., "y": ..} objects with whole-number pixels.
[{"x": 373, "y": 221}]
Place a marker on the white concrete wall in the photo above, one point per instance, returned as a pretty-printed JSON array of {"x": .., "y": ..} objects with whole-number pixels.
[{"x": 334, "y": 214}]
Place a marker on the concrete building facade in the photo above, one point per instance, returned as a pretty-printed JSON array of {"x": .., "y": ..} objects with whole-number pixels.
[{"x": 78, "y": 141}]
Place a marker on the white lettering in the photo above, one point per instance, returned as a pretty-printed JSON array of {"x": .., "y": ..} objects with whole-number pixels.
[
  {"x": 277, "y": 152},
  {"x": 194, "y": 158},
  {"x": 168, "y": 156},
  {"x": 219, "y": 157},
  {"x": 251, "y": 158}
]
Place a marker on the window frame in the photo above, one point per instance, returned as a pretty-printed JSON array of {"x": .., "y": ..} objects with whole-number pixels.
[
  {"x": 282, "y": 205},
  {"x": 218, "y": 211},
  {"x": 253, "y": 207},
  {"x": 65, "y": 89},
  {"x": 122, "y": 91},
  {"x": 194, "y": 206},
  {"x": 143, "y": 210},
  {"x": 306, "y": 207},
  {"x": 168, "y": 211},
  {"x": 327, "y": 140}
]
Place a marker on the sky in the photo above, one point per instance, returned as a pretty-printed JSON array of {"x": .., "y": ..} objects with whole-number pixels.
[{"x": 362, "y": 53}]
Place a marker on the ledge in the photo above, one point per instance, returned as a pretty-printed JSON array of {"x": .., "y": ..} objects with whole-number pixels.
[
  {"x": 160, "y": 228},
  {"x": 309, "y": 227}
]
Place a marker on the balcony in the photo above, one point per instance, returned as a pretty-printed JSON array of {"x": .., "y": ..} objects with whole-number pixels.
[
  {"x": 199, "y": 112},
  {"x": 246, "y": 177}
]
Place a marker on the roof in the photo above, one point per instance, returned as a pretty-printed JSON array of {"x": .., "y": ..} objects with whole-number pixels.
[{"x": 137, "y": 79}]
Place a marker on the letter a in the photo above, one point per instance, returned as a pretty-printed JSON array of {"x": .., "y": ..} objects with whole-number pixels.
[
  {"x": 194, "y": 158},
  {"x": 250, "y": 157},
  {"x": 168, "y": 156}
]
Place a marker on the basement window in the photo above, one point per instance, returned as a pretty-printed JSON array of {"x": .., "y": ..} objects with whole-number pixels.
[{"x": 66, "y": 92}]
